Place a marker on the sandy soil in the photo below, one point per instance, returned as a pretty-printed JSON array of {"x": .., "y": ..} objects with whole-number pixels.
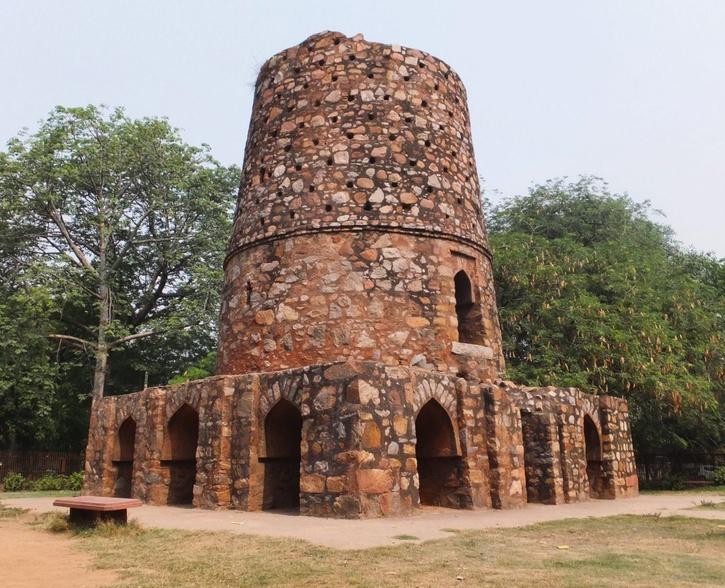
[
  {"x": 31, "y": 558},
  {"x": 430, "y": 523}
]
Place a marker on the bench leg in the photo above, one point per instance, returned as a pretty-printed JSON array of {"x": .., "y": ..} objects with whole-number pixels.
[
  {"x": 82, "y": 517},
  {"x": 85, "y": 517},
  {"x": 118, "y": 516}
]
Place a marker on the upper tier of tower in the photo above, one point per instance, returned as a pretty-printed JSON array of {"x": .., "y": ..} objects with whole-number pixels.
[{"x": 347, "y": 134}]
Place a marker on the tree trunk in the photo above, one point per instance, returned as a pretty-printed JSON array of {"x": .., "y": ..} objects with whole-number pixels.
[
  {"x": 104, "y": 312},
  {"x": 99, "y": 374}
]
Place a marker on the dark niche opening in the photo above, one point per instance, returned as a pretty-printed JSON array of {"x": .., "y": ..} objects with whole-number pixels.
[
  {"x": 439, "y": 465},
  {"x": 593, "y": 446},
  {"x": 123, "y": 458},
  {"x": 470, "y": 318},
  {"x": 182, "y": 435},
  {"x": 282, "y": 436},
  {"x": 538, "y": 458}
]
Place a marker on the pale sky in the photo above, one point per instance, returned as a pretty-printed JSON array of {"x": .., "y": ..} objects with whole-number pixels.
[{"x": 629, "y": 90}]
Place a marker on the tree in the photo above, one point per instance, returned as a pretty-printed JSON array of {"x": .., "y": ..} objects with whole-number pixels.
[
  {"x": 28, "y": 374},
  {"x": 203, "y": 368},
  {"x": 592, "y": 293},
  {"x": 124, "y": 221}
]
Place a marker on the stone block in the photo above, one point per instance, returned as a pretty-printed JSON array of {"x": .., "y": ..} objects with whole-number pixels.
[
  {"x": 312, "y": 483},
  {"x": 374, "y": 481}
]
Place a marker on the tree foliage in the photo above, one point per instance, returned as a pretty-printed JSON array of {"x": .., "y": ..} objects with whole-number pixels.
[
  {"x": 116, "y": 229},
  {"x": 28, "y": 372},
  {"x": 202, "y": 368},
  {"x": 126, "y": 215},
  {"x": 592, "y": 293}
]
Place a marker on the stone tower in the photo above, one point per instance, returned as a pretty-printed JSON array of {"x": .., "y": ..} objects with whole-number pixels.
[
  {"x": 360, "y": 345},
  {"x": 359, "y": 232}
]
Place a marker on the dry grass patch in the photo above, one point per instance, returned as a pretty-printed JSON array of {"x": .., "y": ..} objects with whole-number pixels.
[
  {"x": 7, "y": 512},
  {"x": 711, "y": 505},
  {"x": 616, "y": 551}
]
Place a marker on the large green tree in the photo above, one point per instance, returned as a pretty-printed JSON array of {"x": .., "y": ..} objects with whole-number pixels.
[
  {"x": 125, "y": 226},
  {"x": 593, "y": 293}
]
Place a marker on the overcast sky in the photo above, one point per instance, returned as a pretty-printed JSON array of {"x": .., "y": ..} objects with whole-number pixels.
[{"x": 632, "y": 91}]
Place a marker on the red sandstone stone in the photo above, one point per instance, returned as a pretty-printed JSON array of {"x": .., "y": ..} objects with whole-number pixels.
[
  {"x": 312, "y": 483},
  {"x": 374, "y": 481}
]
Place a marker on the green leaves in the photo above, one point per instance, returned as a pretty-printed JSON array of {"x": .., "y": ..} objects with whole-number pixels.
[
  {"x": 125, "y": 226},
  {"x": 28, "y": 374},
  {"x": 203, "y": 368},
  {"x": 592, "y": 293}
]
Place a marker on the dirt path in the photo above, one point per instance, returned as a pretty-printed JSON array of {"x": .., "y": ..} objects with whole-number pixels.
[
  {"x": 31, "y": 558},
  {"x": 430, "y": 523}
]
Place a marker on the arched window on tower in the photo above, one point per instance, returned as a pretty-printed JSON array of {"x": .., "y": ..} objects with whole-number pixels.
[{"x": 470, "y": 319}]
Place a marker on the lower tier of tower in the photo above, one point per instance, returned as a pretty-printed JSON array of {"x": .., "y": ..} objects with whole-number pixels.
[
  {"x": 359, "y": 439},
  {"x": 389, "y": 295}
]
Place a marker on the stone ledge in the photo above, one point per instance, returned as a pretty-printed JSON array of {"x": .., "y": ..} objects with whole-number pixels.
[{"x": 471, "y": 350}]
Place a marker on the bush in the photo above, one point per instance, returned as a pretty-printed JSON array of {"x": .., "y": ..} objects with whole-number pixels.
[
  {"x": 676, "y": 482},
  {"x": 75, "y": 481},
  {"x": 13, "y": 482},
  {"x": 719, "y": 477},
  {"x": 59, "y": 482},
  {"x": 670, "y": 482},
  {"x": 49, "y": 482}
]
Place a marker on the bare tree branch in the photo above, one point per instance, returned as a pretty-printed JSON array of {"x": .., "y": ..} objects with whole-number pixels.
[
  {"x": 73, "y": 340},
  {"x": 60, "y": 223},
  {"x": 152, "y": 293},
  {"x": 128, "y": 338},
  {"x": 130, "y": 240}
]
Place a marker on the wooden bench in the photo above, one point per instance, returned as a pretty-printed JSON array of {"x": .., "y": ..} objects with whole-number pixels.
[{"x": 88, "y": 510}]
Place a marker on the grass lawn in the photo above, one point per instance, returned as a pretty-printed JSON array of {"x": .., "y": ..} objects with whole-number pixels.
[
  {"x": 616, "y": 551},
  {"x": 39, "y": 493}
]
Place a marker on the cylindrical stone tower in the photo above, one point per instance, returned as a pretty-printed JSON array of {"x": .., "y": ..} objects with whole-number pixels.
[{"x": 358, "y": 232}]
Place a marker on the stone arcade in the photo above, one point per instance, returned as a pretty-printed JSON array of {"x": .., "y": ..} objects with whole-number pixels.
[{"x": 360, "y": 350}]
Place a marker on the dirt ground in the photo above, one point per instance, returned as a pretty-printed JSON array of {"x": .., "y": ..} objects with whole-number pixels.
[
  {"x": 29, "y": 558},
  {"x": 430, "y": 523}
]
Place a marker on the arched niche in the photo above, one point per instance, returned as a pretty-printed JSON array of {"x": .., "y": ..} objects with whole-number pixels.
[
  {"x": 282, "y": 439},
  {"x": 468, "y": 313},
  {"x": 182, "y": 435},
  {"x": 123, "y": 458},
  {"x": 593, "y": 448},
  {"x": 439, "y": 461}
]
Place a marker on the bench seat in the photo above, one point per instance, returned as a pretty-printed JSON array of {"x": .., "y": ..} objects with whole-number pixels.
[{"x": 91, "y": 509}]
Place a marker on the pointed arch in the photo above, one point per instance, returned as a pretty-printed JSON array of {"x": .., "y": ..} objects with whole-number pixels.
[
  {"x": 282, "y": 456},
  {"x": 468, "y": 313},
  {"x": 290, "y": 389},
  {"x": 442, "y": 389},
  {"x": 182, "y": 436},
  {"x": 435, "y": 435},
  {"x": 439, "y": 461},
  {"x": 123, "y": 458},
  {"x": 593, "y": 449},
  {"x": 126, "y": 440}
]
